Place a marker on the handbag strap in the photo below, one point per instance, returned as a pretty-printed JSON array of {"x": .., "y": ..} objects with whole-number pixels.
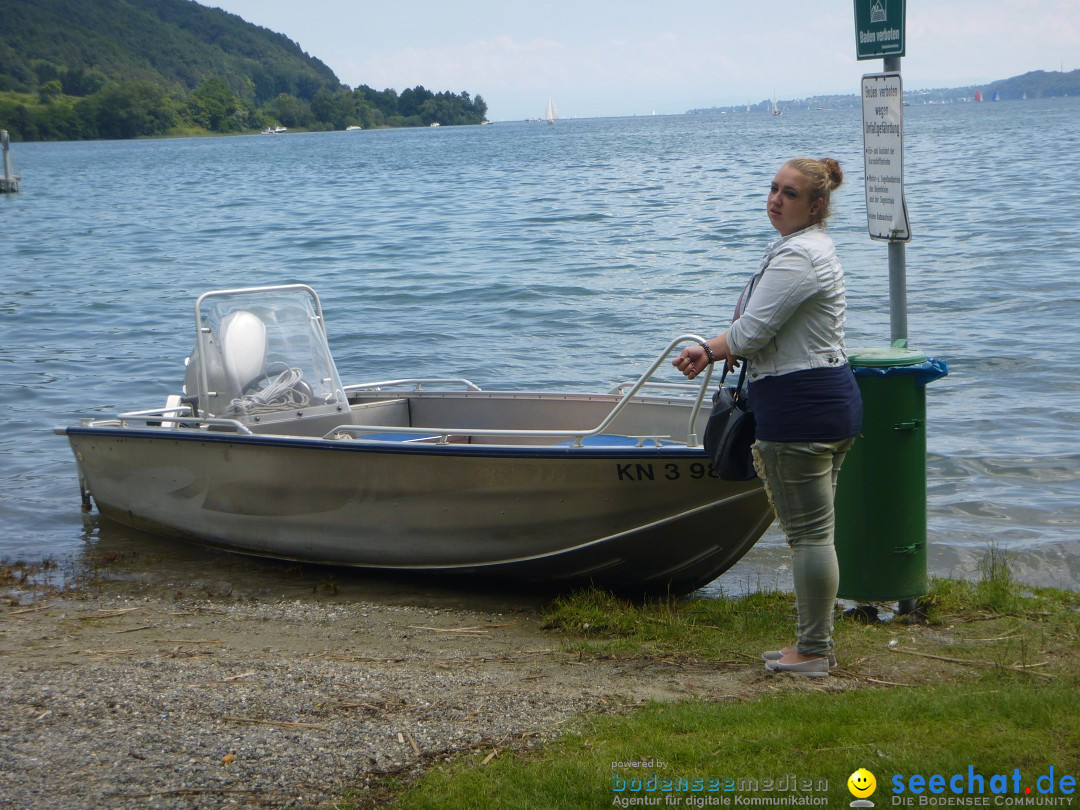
[
  {"x": 740, "y": 307},
  {"x": 742, "y": 377}
]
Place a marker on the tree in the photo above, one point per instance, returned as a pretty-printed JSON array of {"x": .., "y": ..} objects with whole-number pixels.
[
  {"x": 307, "y": 86},
  {"x": 290, "y": 111},
  {"x": 50, "y": 91},
  {"x": 336, "y": 109},
  {"x": 215, "y": 107},
  {"x": 385, "y": 102},
  {"x": 45, "y": 71},
  {"x": 410, "y": 101},
  {"x": 128, "y": 110},
  {"x": 80, "y": 82},
  {"x": 58, "y": 121}
]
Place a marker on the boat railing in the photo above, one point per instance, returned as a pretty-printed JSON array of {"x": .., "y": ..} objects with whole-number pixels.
[
  {"x": 442, "y": 434},
  {"x": 418, "y": 384},
  {"x": 179, "y": 416},
  {"x": 678, "y": 387}
]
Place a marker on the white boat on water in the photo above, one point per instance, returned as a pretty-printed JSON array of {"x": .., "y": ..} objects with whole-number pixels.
[
  {"x": 266, "y": 452},
  {"x": 550, "y": 115}
]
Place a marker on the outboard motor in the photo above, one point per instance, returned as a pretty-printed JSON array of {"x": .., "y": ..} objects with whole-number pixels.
[{"x": 261, "y": 357}]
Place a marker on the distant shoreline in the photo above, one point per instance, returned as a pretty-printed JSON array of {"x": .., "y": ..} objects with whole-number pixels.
[{"x": 1030, "y": 86}]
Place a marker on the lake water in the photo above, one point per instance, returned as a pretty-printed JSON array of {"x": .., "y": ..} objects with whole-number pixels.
[{"x": 552, "y": 257}]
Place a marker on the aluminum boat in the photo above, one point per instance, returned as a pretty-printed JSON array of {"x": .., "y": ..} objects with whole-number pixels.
[{"x": 264, "y": 451}]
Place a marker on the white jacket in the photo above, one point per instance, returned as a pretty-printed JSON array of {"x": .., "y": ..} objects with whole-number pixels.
[{"x": 794, "y": 319}]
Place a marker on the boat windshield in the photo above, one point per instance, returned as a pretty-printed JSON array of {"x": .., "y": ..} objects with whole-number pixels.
[{"x": 261, "y": 354}]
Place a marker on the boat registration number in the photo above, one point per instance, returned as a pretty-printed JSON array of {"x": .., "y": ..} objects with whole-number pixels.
[{"x": 664, "y": 472}]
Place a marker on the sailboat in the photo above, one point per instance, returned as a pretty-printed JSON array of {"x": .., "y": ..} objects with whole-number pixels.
[
  {"x": 550, "y": 111},
  {"x": 775, "y": 109}
]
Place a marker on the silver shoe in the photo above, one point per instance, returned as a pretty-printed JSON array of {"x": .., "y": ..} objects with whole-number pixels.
[
  {"x": 814, "y": 668},
  {"x": 775, "y": 655}
]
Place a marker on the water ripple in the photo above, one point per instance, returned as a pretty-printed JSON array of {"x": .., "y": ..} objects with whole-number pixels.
[{"x": 543, "y": 245}]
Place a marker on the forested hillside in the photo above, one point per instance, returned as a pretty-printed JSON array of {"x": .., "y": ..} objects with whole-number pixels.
[{"x": 78, "y": 69}]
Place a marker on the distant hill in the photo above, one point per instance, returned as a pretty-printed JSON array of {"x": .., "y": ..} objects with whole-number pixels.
[
  {"x": 173, "y": 43},
  {"x": 1036, "y": 84},
  {"x": 74, "y": 69}
]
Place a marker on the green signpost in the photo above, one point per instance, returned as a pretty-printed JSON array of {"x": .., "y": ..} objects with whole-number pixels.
[
  {"x": 868, "y": 537},
  {"x": 879, "y": 28}
]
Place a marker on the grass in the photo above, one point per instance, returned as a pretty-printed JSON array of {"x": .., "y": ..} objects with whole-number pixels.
[
  {"x": 597, "y": 622},
  {"x": 986, "y": 682},
  {"x": 820, "y": 737}
]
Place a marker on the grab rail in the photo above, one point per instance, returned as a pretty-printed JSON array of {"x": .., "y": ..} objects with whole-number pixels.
[
  {"x": 684, "y": 387},
  {"x": 159, "y": 416},
  {"x": 418, "y": 383},
  {"x": 444, "y": 434},
  {"x": 179, "y": 410}
]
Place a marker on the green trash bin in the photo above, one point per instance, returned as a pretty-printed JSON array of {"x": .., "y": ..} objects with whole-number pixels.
[{"x": 881, "y": 491}]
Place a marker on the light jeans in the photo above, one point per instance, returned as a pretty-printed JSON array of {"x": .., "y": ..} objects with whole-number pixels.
[{"x": 800, "y": 481}]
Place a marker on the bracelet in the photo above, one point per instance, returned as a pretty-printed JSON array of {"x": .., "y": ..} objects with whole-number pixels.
[{"x": 708, "y": 351}]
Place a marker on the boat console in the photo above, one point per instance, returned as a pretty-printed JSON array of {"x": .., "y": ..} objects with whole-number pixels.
[{"x": 261, "y": 358}]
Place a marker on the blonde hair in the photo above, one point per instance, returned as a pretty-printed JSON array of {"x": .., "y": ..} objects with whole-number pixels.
[{"x": 824, "y": 174}]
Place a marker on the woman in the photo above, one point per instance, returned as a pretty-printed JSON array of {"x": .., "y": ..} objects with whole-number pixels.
[{"x": 789, "y": 327}]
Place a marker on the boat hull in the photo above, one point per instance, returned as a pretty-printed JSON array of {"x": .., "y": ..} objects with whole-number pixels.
[{"x": 648, "y": 518}]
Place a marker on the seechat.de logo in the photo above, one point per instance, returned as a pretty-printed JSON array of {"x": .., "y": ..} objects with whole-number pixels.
[{"x": 862, "y": 785}]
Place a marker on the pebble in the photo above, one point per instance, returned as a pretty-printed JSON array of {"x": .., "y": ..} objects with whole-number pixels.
[{"x": 153, "y": 702}]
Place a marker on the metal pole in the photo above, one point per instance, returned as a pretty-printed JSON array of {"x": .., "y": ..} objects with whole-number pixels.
[
  {"x": 898, "y": 308},
  {"x": 897, "y": 291},
  {"x": 897, "y": 262},
  {"x": 7, "y": 164}
]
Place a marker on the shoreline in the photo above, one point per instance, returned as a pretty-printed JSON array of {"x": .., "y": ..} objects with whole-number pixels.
[
  {"x": 185, "y": 694},
  {"x": 119, "y": 695}
]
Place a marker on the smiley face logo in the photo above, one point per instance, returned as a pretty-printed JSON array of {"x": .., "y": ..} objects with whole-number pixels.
[{"x": 861, "y": 783}]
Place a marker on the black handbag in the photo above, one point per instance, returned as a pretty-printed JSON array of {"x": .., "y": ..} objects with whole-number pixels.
[{"x": 730, "y": 431}]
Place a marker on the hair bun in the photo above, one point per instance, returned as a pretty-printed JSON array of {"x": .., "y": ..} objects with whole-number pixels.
[{"x": 833, "y": 170}]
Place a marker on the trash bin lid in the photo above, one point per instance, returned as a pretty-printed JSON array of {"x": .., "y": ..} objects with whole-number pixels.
[{"x": 886, "y": 356}]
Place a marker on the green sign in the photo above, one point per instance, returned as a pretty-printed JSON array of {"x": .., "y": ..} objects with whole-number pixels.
[{"x": 879, "y": 28}]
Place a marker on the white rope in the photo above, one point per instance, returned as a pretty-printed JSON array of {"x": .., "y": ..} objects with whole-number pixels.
[{"x": 280, "y": 394}]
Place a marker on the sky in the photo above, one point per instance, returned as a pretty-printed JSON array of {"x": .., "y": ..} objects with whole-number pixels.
[{"x": 599, "y": 58}]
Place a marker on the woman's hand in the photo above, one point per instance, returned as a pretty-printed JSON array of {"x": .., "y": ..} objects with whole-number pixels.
[{"x": 693, "y": 359}]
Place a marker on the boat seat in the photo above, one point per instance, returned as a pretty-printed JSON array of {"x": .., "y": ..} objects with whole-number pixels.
[{"x": 401, "y": 437}]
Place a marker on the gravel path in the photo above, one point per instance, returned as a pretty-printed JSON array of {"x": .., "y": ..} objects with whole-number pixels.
[{"x": 113, "y": 700}]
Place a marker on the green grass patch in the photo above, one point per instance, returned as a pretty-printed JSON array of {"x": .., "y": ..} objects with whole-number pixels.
[
  {"x": 798, "y": 739},
  {"x": 986, "y": 682},
  {"x": 598, "y": 622}
]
